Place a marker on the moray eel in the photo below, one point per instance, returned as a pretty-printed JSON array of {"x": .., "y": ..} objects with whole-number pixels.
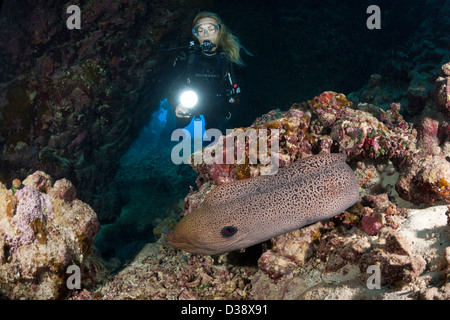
[{"x": 242, "y": 213}]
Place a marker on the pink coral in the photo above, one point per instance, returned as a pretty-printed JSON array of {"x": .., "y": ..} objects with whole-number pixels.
[{"x": 32, "y": 206}]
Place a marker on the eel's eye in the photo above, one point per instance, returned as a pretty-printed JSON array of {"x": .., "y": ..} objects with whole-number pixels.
[{"x": 228, "y": 231}]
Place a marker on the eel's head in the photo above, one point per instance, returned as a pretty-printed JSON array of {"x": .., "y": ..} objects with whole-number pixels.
[{"x": 198, "y": 233}]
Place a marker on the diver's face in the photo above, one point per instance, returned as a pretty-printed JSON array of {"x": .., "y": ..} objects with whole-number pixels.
[{"x": 207, "y": 29}]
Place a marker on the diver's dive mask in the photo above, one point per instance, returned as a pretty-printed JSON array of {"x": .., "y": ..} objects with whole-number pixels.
[{"x": 201, "y": 30}]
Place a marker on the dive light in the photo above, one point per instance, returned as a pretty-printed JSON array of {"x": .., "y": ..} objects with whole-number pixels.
[{"x": 188, "y": 99}]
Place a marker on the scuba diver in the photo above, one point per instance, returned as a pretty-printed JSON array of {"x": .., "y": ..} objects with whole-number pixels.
[{"x": 206, "y": 86}]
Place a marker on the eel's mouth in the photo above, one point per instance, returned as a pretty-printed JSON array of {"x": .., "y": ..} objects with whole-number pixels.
[
  {"x": 174, "y": 238},
  {"x": 179, "y": 241}
]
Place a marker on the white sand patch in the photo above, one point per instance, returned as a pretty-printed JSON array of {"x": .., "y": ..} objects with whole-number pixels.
[{"x": 427, "y": 232}]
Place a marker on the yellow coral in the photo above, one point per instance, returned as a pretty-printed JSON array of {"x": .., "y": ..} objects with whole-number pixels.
[{"x": 443, "y": 183}]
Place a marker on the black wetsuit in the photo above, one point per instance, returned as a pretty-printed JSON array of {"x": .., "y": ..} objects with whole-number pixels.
[{"x": 207, "y": 75}]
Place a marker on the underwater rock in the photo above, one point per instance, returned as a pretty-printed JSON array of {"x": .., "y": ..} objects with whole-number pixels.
[
  {"x": 408, "y": 74},
  {"x": 389, "y": 151},
  {"x": 380, "y": 91},
  {"x": 356, "y": 133},
  {"x": 289, "y": 251},
  {"x": 371, "y": 222},
  {"x": 445, "y": 265},
  {"x": 195, "y": 199},
  {"x": 441, "y": 92},
  {"x": 361, "y": 136},
  {"x": 445, "y": 70},
  {"x": 44, "y": 229},
  {"x": 312, "y": 263},
  {"x": 336, "y": 251},
  {"x": 39, "y": 181},
  {"x": 386, "y": 213},
  {"x": 398, "y": 265},
  {"x": 426, "y": 181},
  {"x": 419, "y": 91}
]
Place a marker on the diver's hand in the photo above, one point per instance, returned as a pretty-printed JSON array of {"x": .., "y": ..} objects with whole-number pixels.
[{"x": 181, "y": 112}]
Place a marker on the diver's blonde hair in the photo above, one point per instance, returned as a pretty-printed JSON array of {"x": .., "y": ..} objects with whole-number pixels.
[{"x": 229, "y": 42}]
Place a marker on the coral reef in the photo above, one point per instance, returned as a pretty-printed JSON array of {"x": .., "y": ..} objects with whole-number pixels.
[
  {"x": 316, "y": 262},
  {"x": 362, "y": 136},
  {"x": 330, "y": 260},
  {"x": 44, "y": 229},
  {"x": 289, "y": 251}
]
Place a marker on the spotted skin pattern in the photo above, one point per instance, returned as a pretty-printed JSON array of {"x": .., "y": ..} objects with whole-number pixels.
[{"x": 260, "y": 208}]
